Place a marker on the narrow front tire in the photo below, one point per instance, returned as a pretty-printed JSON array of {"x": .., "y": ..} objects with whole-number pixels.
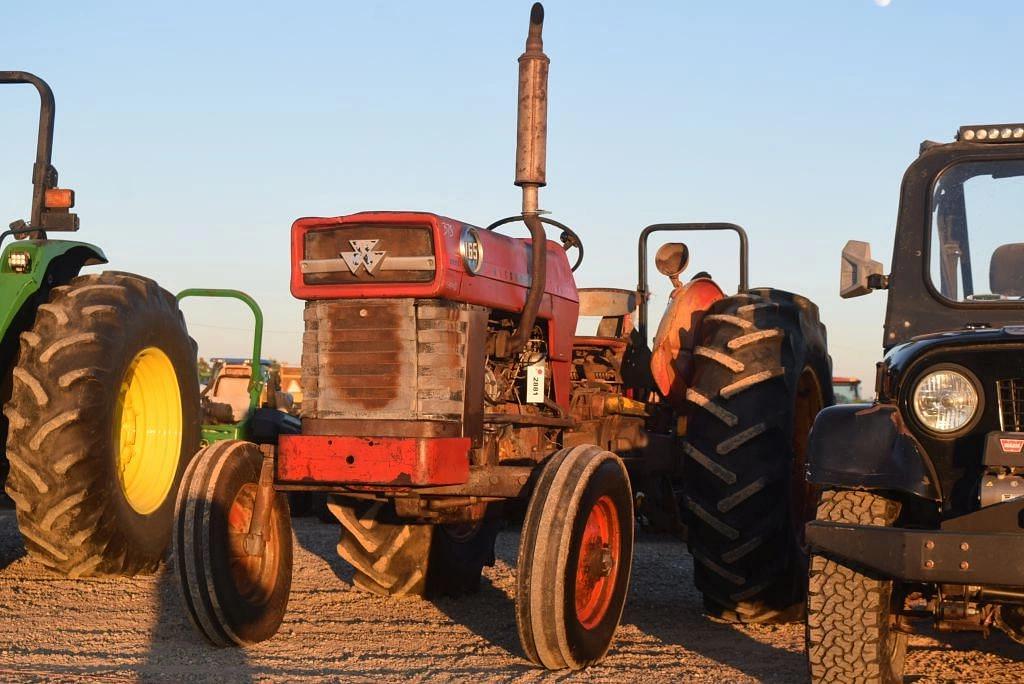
[
  {"x": 234, "y": 597},
  {"x": 575, "y": 555}
]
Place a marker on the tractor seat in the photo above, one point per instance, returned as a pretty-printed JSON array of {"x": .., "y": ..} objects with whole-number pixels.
[
  {"x": 615, "y": 307},
  {"x": 233, "y": 390},
  {"x": 1006, "y": 271},
  {"x": 606, "y": 302}
]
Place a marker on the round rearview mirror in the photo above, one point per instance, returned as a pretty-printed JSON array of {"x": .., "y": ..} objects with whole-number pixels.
[{"x": 672, "y": 258}]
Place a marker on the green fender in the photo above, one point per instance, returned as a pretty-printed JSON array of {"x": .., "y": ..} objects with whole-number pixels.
[{"x": 50, "y": 263}]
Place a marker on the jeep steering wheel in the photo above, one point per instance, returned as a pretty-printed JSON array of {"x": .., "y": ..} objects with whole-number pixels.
[{"x": 568, "y": 238}]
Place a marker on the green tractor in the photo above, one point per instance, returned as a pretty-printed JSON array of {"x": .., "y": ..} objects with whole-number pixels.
[
  {"x": 100, "y": 390},
  {"x": 243, "y": 398}
]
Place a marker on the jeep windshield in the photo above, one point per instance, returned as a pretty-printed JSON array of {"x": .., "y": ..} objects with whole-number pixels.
[{"x": 977, "y": 223}]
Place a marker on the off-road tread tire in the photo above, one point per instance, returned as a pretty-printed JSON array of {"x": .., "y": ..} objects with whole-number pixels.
[
  {"x": 544, "y": 566},
  {"x": 739, "y": 452},
  {"x": 849, "y": 636},
  {"x": 390, "y": 557},
  {"x": 70, "y": 509}
]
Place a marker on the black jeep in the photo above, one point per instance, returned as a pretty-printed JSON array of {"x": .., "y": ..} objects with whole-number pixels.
[{"x": 921, "y": 513}]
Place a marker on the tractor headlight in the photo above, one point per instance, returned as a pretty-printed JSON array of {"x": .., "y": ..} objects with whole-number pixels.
[
  {"x": 19, "y": 262},
  {"x": 945, "y": 400}
]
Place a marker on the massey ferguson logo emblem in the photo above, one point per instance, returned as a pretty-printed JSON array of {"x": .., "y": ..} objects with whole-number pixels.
[
  {"x": 1012, "y": 446},
  {"x": 363, "y": 256}
]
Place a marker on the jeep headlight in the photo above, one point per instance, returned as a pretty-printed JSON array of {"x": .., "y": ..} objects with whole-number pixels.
[{"x": 945, "y": 400}]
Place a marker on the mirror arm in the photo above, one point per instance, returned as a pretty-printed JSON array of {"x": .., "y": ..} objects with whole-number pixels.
[{"x": 877, "y": 281}]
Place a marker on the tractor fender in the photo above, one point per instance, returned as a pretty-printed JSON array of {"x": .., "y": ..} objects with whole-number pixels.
[
  {"x": 867, "y": 446},
  {"x": 672, "y": 352},
  {"x": 52, "y": 263}
]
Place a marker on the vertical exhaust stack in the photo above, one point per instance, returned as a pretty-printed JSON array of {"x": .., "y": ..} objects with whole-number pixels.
[
  {"x": 531, "y": 140},
  {"x": 531, "y": 153}
]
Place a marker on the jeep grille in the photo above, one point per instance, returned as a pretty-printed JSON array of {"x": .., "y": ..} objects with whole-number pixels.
[{"x": 1011, "y": 404}]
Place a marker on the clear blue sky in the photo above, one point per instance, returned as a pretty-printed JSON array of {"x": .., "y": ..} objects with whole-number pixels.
[{"x": 195, "y": 132}]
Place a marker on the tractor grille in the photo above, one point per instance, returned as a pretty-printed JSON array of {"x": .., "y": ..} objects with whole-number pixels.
[
  {"x": 385, "y": 359},
  {"x": 400, "y": 254},
  {"x": 1011, "y": 404}
]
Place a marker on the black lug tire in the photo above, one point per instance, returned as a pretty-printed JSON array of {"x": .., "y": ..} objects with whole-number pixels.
[
  {"x": 457, "y": 560},
  {"x": 61, "y": 441},
  {"x": 223, "y": 613},
  {"x": 390, "y": 557},
  {"x": 849, "y": 633},
  {"x": 756, "y": 352},
  {"x": 300, "y": 504},
  {"x": 393, "y": 557},
  {"x": 319, "y": 509},
  {"x": 569, "y": 485}
]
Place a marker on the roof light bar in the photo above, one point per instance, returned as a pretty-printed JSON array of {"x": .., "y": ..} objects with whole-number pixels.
[{"x": 992, "y": 134}]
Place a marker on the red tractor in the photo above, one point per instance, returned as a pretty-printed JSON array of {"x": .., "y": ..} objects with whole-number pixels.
[{"x": 445, "y": 388}]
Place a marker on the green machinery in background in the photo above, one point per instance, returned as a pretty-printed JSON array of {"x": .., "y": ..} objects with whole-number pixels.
[
  {"x": 99, "y": 384},
  {"x": 243, "y": 400}
]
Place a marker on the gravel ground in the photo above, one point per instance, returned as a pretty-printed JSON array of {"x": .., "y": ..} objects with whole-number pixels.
[{"x": 135, "y": 629}]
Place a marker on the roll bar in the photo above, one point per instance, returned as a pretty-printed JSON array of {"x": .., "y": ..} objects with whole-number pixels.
[
  {"x": 44, "y": 176},
  {"x": 255, "y": 379},
  {"x": 644, "y": 292}
]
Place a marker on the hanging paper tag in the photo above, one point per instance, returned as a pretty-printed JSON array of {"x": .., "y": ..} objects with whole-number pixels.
[{"x": 535, "y": 383}]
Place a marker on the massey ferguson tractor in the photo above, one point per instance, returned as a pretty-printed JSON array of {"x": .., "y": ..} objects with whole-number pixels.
[
  {"x": 100, "y": 390},
  {"x": 445, "y": 388},
  {"x": 922, "y": 511}
]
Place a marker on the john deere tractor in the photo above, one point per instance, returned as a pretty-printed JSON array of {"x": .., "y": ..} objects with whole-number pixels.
[
  {"x": 100, "y": 389},
  {"x": 243, "y": 399}
]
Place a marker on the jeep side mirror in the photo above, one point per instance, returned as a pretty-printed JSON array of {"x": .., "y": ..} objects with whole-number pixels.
[{"x": 859, "y": 274}]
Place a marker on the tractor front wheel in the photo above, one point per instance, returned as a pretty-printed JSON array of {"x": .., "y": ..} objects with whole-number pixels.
[
  {"x": 575, "y": 555},
  {"x": 102, "y": 420},
  {"x": 235, "y": 587}
]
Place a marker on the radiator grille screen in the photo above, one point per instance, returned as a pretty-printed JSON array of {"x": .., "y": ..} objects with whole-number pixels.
[{"x": 1011, "y": 404}]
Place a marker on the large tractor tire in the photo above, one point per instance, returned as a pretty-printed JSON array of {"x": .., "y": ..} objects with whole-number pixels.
[
  {"x": 236, "y": 593},
  {"x": 575, "y": 557},
  {"x": 103, "y": 419},
  {"x": 761, "y": 374},
  {"x": 849, "y": 614},
  {"x": 392, "y": 557}
]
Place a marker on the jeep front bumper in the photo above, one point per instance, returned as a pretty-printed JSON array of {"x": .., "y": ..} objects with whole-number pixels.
[{"x": 947, "y": 556}]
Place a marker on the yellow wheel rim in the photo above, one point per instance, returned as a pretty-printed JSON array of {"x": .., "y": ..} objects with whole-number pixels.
[{"x": 147, "y": 429}]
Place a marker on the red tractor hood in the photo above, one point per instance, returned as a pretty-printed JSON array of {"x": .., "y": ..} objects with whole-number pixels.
[{"x": 370, "y": 255}]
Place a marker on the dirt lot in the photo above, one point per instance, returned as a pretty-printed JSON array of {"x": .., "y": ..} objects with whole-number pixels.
[{"x": 134, "y": 629}]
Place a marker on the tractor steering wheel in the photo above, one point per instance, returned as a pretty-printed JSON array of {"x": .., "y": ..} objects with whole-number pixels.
[{"x": 568, "y": 238}]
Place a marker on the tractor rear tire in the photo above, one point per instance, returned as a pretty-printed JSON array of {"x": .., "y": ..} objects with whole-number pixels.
[
  {"x": 849, "y": 631},
  {"x": 575, "y": 556},
  {"x": 233, "y": 597},
  {"x": 103, "y": 419},
  {"x": 392, "y": 557},
  {"x": 761, "y": 374},
  {"x": 458, "y": 554}
]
